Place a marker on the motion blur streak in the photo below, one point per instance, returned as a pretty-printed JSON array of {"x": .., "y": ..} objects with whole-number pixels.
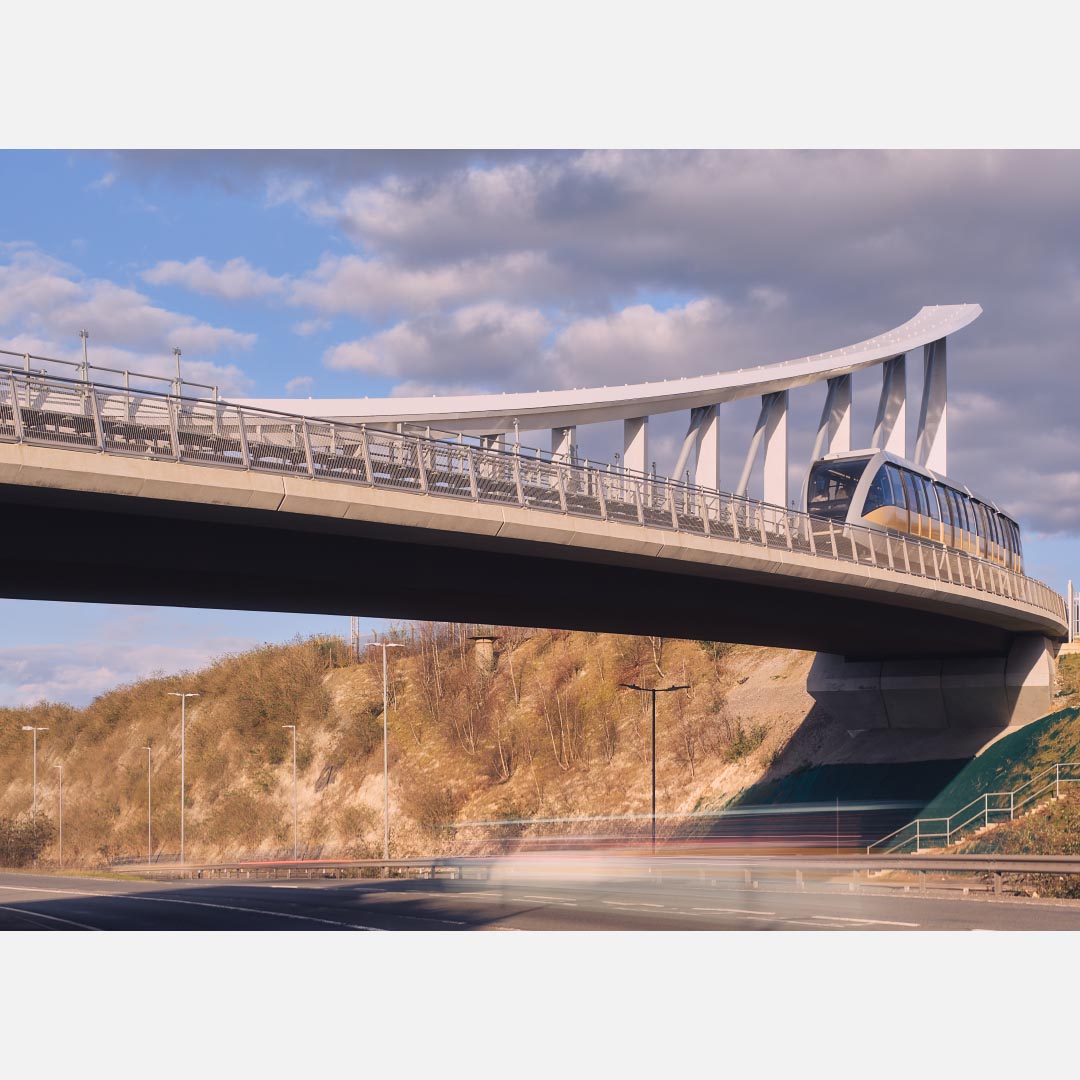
[{"x": 806, "y": 828}]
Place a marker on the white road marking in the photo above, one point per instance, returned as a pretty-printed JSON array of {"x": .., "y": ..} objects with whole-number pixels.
[
  {"x": 191, "y": 903},
  {"x": 51, "y": 918},
  {"x": 816, "y": 925},
  {"x": 734, "y": 911},
  {"x": 868, "y": 922}
]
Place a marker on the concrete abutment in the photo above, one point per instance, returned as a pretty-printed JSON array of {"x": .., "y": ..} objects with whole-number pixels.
[{"x": 954, "y": 692}]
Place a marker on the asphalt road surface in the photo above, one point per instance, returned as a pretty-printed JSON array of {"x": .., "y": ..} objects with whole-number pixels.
[{"x": 552, "y": 901}]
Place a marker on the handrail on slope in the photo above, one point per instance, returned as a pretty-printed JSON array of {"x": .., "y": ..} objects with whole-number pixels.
[{"x": 923, "y": 836}]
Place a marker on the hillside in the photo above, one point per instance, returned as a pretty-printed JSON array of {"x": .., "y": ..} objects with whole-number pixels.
[{"x": 546, "y": 734}]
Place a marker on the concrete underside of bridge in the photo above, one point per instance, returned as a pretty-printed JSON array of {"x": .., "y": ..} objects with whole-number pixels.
[{"x": 86, "y": 527}]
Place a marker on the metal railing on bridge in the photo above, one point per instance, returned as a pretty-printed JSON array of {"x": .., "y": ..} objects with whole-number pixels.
[
  {"x": 990, "y": 808},
  {"x": 49, "y": 410},
  {"x": 84, "y": 371}
]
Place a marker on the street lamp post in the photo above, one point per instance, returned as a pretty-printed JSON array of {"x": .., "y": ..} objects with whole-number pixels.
[
  {"x": 654, "y": 691},
  {"x": 183, "y": 719},
  {"x": 35, "y": 730},
  {"x": 293, "y": 726},
  {"x": 384, "y": 645},
  {"x": 149, "y": 763},
  {"x": 61, "y": 768},
  {"x": 84, "y": 334}
]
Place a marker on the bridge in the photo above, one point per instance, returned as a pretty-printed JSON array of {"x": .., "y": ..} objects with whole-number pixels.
[{"x": 122, "y": 492}]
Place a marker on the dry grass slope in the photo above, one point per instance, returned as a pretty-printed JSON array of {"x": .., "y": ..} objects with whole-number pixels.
[{"x": 547, "y": 733}]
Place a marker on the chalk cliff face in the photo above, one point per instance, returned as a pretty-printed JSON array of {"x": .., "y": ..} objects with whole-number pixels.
[{"x": 531, "y": 725}]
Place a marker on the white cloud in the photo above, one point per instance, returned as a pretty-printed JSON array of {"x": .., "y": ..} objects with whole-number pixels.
[
  {"x": 299, "y": 384},
  {"x": 44, "y": 302},
  {"x": 78, "y": 672},
  {"x": 311, "y": 326},
  {"x": 493, "y": 343},
  {"x": 236, "y": 279},
  {"x": 360, "y": 286},
  {"x": 639, "y": 343}
]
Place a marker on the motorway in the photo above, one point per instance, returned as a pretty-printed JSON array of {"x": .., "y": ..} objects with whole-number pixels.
[{"x": 549, "y": 901}]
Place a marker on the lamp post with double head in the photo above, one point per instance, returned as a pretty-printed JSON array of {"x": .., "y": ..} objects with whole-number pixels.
[
  {"x": 654, "y": 691},
  {"x": 149, "y": 768},
  {"x": 293, "y": 727},
  {"x": 35, "y": 730},
  {"x": 183, "y": 721},
  {"x": 61, "y": 768},
  {"x": 384, "y": 645}
]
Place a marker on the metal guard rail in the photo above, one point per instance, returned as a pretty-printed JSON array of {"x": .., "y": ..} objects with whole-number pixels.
[
  {"x": 53, "y": 411},
  {"x": 987, "y": 809}
]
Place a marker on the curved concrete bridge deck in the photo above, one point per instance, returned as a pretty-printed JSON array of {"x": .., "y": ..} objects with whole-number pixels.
[{"x": 156, "y": 499}]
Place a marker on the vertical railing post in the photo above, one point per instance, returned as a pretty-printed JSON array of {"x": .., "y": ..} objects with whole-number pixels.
[
  {"x": 1012, "y": 805},
  {"x": 918, "y": 835},
  {"x": 95, "y": 412},
  {"x": 598, "y": 480},
  {"x": 560, "y": 482},
  {"x": 174, "y": 426},
  {"x": 517, "y": 479},
  {"x": 671, "y": 504},
  {"x": 16, "y": 408},
  {"x": 367, "y": 454},
  {"x": 832, "y": 539},
  {"x": 421, "y": 468},
  {"x": 241, "y": 430},
  {"x": 308, "y": 457},
  {"x": 472, "y": 474},
  {"x": 1057, "y": 781}
]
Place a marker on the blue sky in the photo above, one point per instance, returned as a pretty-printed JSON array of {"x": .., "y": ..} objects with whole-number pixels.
[{"x": 371, "y": 273}]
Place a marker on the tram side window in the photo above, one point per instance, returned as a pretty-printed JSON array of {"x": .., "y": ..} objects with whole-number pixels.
[
  {"x": 931, "y": 499},
  {"x": 980, "y": 521},
  {"x": 916, "y": 500},
  {"x": 995, "y": 531},
  {"x": 956, "y": 501},
  {"x": 963, "y": 508},
  {"x": 897, "y": 484},
  {"x": 972, "y": 521},
  {"x": 945, "y": 503},
  {"x": 878, "y": 494}
]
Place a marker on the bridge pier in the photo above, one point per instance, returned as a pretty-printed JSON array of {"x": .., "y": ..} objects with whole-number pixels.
[{"x": 954, "y": 692}]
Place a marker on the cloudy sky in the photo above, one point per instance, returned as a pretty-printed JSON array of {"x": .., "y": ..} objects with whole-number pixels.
[{"x": 379, "y": 272}]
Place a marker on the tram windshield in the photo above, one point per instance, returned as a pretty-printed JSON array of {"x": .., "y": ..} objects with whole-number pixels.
[{"x": 832, "y": 485}]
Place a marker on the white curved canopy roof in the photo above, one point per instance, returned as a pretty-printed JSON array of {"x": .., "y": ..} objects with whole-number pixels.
[{"x": 496, "y": 413}]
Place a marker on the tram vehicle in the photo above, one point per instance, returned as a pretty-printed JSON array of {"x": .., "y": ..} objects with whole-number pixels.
[{"x": 886, "y": 493}]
